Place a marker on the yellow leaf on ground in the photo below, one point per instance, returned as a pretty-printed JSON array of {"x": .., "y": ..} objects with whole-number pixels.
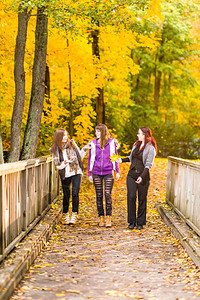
[{"x": 73, "y": 291}]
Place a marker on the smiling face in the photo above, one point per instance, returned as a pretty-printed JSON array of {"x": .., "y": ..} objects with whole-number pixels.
[
  {"x": 65, "y": 137},
  {"x": 141, "y": 136},
  {"x": 98, "y": 133}
]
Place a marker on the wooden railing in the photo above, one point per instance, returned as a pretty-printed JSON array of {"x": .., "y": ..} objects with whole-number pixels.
[
  {"x": 183, "y": 190},
  {"x": 27, "y": 189}
]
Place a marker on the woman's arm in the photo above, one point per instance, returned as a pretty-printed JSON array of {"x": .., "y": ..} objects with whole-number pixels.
[
  {"x": 59, "y": 165},
  {"x": 122, "y": 160},
  {"x": 126, "y": 159},
  {"x": 150, "y": 157},
  {"x": 148, "y": 164},
  {"x": 82, "y": 152},
  {"x": 116, "y": 163},
  {"x": 89, "y": 159}
]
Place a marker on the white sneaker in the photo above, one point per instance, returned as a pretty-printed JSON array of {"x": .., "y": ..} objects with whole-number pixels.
[
  {"x": 74, "y": 218},
  {"x": 66, "y": 218}
]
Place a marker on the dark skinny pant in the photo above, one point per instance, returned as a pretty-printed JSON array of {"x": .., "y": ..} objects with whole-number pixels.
[
  {"x": 132, "y": 189},
  {"x": 76, "y": 183},
  {"x": 98, "y": 183}
]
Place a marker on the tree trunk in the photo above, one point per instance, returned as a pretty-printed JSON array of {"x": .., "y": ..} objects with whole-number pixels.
[
  {"x": 47, "y": 91},
  {"x": 134, "y": 88},
  {"x": 158, "y": 74},
  {"x": 100, "y": 106},
  {"x": 19, "y": 76},
  {"x": 157, "y": 82},
  {"x": 1, "y": 146},
  {"x": 47, "y": 83},
  {"x": 38, "y": 87},
  {"x": 71, "y": 127},
  {"x": 132, "y": 81}
]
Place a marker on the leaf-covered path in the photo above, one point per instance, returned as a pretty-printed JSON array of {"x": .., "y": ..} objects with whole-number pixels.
[{"x": 88, "y": 262}]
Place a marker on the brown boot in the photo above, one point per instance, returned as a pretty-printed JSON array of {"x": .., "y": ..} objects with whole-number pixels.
[
  {"x": 108, "y": 221},
  {"x": 101, "y": 221}
]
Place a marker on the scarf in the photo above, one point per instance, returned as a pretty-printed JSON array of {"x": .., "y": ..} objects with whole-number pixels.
[{"x": 74, "y": 156}]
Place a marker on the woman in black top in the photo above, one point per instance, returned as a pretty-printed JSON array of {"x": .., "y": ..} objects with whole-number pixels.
[{"x": 141, "y": 158}]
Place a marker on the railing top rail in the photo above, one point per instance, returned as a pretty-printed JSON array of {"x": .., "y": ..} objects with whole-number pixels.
[
  {"x": 9, "y": 168},
  {"x": 192, "y": 164}
]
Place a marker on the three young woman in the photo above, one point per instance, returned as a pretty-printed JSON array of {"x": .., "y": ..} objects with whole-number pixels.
[
  {"x": 101, "y": 170},
  {"x": 67, "y": 159},
  {"x": 142, "y": 157}
]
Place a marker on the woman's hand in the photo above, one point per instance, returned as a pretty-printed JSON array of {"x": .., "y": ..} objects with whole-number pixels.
[
  {"x": 119, "y": 160},
  {"x": 139, "y": 180},
  {"x": 67, "y": 161},
  {"x": 117, "y": 176},
  {"x": 90, "y": 179},
  {"x": 88, "y": 146}
]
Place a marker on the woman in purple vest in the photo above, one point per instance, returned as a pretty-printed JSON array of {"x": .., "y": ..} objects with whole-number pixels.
[{"x": 101, "y": 169}]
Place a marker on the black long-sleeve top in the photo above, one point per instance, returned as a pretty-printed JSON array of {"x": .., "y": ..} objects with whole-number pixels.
[{"x": 137, "y": 167}]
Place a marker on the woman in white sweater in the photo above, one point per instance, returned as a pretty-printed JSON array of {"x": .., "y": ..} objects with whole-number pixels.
[{"x": 67, "y": 159}]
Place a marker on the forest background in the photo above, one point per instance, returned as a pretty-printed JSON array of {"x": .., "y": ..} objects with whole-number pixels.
[{"x": 72, "y": 64}]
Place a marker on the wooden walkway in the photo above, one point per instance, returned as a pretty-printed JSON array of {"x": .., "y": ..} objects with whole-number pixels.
[{"x": 88, "y": 262}]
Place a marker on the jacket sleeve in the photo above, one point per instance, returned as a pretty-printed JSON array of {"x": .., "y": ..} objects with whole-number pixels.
[
  {"x": 89, "y": 159},
  {"x": 144, "y": 173},
  {"x": 150, "y": 158},
  {"x": 81, "y": 152},
  {"x": 59, "y": 165},
  {"x": 116, "y": 164},
  {"x": 126, "y": 159}
]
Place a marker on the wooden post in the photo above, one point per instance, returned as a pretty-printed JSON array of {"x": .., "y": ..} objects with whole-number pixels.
[
  {"x": 24, "y": 197},
  {"x": 2, "y": 224}
]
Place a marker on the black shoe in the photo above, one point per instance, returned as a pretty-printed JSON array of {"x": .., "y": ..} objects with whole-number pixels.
[
  {"x": 131, "y": 226},
  {"x": 139, "y": 227}
]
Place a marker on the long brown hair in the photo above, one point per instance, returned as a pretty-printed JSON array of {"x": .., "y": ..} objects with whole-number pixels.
[
  {"x": 149, "y": 137},
  {"x": 104, "y": 134},
  {"x": 58, "y": 143}
]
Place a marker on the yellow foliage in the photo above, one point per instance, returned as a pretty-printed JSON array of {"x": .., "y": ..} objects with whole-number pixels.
[
  {"x": 70, "y": 52},
  {"x": 83, "y": 126},
  {"x": 114, "y": 157},
  {"x": 154, "y": 12}
]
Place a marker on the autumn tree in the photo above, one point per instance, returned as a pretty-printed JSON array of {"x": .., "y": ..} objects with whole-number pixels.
[
  {"x": 1, "y": 146},
  {"x": 97, "y": 15},
  {"x": 19, "y": 75},
  {"x": 164, "y": 75},
  {"x": 136, "y": 47},
  {"x": 38, "y": 86}
]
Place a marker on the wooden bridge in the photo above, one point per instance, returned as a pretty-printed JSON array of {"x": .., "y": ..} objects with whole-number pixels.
[{"x": 28, "y": 189}]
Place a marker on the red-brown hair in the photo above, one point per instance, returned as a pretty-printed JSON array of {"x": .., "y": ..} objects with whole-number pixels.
[{"x": 149, "y": 137}]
